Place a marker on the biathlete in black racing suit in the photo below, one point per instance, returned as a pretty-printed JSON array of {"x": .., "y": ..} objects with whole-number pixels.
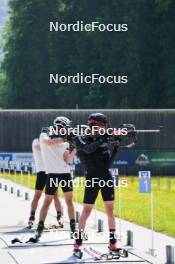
[{"x": 97, "y": 157}]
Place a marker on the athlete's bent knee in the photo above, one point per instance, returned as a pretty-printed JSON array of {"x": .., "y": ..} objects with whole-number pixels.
[{"x": 37, "y": 195}]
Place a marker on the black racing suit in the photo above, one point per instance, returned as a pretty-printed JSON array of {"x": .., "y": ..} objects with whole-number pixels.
[{"x": 97, "y": 158}]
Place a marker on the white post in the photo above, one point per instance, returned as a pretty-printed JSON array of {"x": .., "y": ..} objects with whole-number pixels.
[
  {"x": 120, "y": 212},
  {"x": 152, "y": 249},
  {"x": 95, "y": 217},
  {"x": 15, "y": 177},
  {"x": 76, "y": 185},
  {"x": 21, "y": 179},
  {"x": 28, "y": 179},
  {"x": 21, "y": 182}
]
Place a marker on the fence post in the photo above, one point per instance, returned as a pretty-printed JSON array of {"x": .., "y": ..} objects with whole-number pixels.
[
  {"x": 18, "y": 193},
  {"x": 100, "y": 226},
  {"x": 77, "y": 217},
  {"x": 170, "y": 255},
  {"x": 26, "y": 196},
  {"x": 11, "y": 190},
  {"x": 129, "y": 238}
]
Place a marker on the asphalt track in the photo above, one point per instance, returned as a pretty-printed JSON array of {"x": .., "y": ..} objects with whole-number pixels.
[{"x": 53, "y": 247}]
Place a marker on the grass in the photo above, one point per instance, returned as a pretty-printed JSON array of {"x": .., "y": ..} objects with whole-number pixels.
[{"x": 135, "y": 206}]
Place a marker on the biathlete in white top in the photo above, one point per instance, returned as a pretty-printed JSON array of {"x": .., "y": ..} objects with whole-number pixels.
[
  {"x": 41, "y": 179},
  {"x": 56, "y": 156}
]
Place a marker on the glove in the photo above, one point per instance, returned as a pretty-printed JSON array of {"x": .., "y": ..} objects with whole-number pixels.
[
  {"x": 103, "y": 139},
  {"x": 70, "y": 137}
]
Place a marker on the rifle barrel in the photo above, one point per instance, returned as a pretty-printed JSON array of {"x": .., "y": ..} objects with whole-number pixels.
[{"x": 148, "y": 131}]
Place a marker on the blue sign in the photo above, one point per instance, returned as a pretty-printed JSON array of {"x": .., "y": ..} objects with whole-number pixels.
[
  {"x": 145, "y": 181},
  {"x": 115, "y": 176}
]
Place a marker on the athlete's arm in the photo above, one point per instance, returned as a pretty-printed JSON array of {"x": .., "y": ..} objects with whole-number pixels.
[
  {"x": 68, "y": 156},
  {"x": 88, "y": 148},
  {"x": 36, "y": 146}
]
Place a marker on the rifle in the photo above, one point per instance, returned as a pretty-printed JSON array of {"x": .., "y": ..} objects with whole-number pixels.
[{"x": 127, "y": 139}]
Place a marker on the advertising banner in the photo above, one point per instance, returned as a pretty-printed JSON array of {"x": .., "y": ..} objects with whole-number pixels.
[{"x": 154, "y": 159}]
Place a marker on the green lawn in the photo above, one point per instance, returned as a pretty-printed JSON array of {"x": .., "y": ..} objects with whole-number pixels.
[{"x": 135, "y": 206}]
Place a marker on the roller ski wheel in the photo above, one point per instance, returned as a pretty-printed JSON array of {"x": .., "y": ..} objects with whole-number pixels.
[
  {"x": 34, "y": 239},
  {"x": 16, "y": 240},
  {"x": 77, "y": 252},
  {"x": 115, "y": 251}
]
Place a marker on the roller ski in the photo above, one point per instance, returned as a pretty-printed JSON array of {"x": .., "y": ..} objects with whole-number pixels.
[
  {"x": 54, "y": 227},
  {"x": 77, "y": 252},
  {"x": 96, "y": 255},
  {"x": 114, "y": 253},
  {"x": 38, "y": 234}
]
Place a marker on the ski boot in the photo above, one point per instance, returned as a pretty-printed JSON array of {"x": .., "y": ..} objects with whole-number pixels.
[
  {"x": 60, "y": 223},
  {"x": 38, "y": 234},
  {"x": 31, "y": 221},
  {"x": 60, "y": 219},
  {"x": 117, "y": 252},
  {"x": 73, "y": 229},
  {"x": 77, "y": 252}
]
